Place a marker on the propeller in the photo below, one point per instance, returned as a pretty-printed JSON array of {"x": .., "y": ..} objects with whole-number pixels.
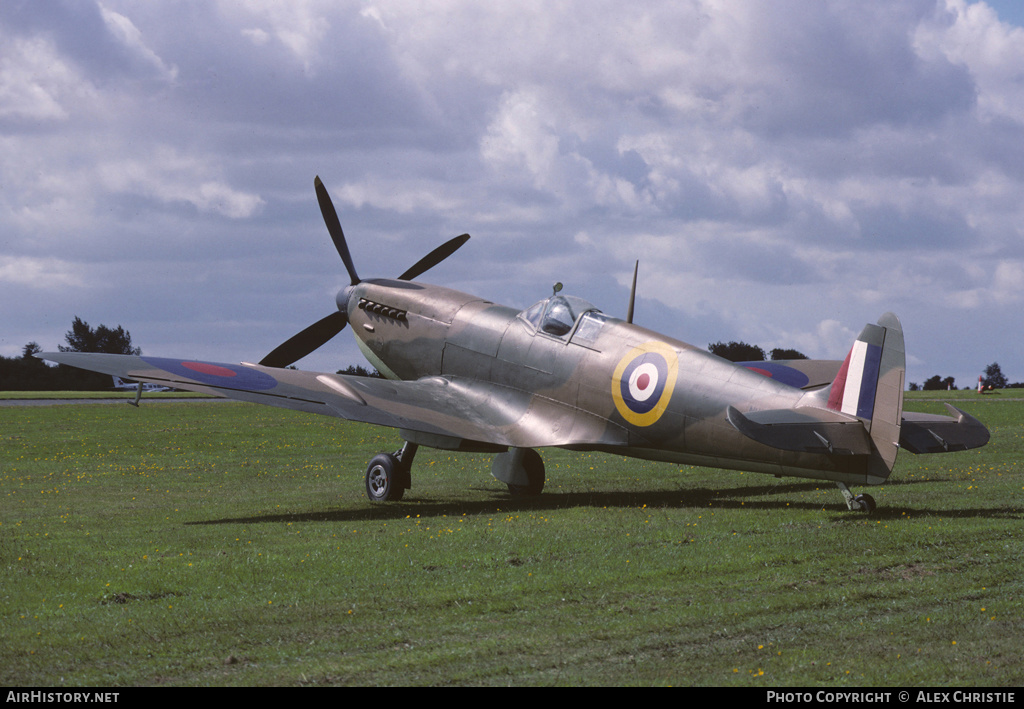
[
  {"x": 632, "y": 293},
  {"x": 300, "y": 345},
  {"x": 434, "y": 257},
  {"x": 334, "y": 228},
  {"x": 317, "y": 334}
]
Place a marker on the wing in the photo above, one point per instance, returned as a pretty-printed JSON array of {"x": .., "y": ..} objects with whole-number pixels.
[
  {"x": 799, "y": 373},
  {"x": 447, "y": 409}
]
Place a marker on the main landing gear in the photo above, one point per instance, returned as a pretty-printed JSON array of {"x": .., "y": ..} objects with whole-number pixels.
[
  {"x": 388, "y": 474},
  {"x": 522, "y": 469},
  {"x": 854, "y": 503}
]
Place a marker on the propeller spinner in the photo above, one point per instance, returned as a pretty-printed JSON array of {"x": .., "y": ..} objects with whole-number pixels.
[{"x": 317, "y": 334}]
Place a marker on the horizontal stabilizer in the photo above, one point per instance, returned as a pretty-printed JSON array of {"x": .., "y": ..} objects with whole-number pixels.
[
  {"x": 804, "y": 429},
  {"x": 931, "y": 433}
]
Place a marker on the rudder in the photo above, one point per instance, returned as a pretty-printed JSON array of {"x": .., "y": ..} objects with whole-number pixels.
[{"x": 869, "y": 385}]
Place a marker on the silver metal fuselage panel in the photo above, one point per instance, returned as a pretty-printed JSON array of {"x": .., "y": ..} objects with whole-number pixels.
[{"x": 422, "y": 330}]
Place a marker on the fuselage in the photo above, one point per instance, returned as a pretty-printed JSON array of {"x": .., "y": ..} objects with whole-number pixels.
[{"x": 663, "y": 399}]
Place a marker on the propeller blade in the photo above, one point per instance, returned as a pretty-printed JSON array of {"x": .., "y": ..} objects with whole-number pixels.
[
  {"x": 334, "y": 228},
  {"x": 632, "y": 293},
  {"x": 306, "y": 341},
  {"x": 434, "y": 257}
]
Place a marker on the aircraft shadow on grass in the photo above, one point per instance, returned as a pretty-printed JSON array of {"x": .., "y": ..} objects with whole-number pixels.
[{"x": 698, "y": 499}]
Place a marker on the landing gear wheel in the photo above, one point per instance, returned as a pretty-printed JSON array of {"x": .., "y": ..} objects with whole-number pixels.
[
  {"x": 533, "y": 464},
  {"x": 384, "y": 479},
  {"x": 858, "y": 503},
  {"x": 866, "y": 502}
]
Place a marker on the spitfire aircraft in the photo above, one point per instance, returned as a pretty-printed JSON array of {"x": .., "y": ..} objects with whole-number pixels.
[{"x": 463, "y": 373}]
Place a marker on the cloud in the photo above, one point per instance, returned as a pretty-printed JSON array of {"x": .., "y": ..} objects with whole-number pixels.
[
  {"x": 1008, "y": 283},
  {"x": 298, "y": 26},
  {"x": 129, "y": 35},
  {"x": 170, "y": 177},
  {"x": 35, "y": 82},
  {"x": 970, "y": 35},
  {"x": 40, "y": 274},
  {"x": 775, "y": 167}
]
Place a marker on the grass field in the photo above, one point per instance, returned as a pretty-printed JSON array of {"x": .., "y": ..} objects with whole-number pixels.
[
  {"x": 128, "y": 395},
  {"x": 231, "y": 544}
]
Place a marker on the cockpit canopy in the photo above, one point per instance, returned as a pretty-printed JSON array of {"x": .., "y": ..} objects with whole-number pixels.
[{"x": 557, "y": 315}]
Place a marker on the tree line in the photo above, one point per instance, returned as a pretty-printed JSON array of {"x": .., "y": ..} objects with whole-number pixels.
[
  {"x": 29, "y": 373},
  {"x": 744, "y": 352},
  {"x": 993, "y": 378}
]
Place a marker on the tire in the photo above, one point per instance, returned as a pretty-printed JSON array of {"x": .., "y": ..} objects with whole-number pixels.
[
  {"x": 534, "y": 466},
  {"x": 867, "y": 503},
  {"x": 383, "y": 479}
]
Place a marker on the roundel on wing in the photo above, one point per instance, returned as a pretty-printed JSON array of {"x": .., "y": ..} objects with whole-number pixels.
[
  {"x": 643, "y": 383},
  {"x": 227, "y": 376},
  {"x": 780, "y": 372}
]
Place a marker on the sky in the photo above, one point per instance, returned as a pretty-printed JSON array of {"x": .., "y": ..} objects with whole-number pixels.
[{"x": 785, "y": 172}]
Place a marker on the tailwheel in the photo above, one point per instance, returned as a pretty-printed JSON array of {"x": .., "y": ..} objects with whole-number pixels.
[
  {"x": 866, "y": 502},
  {"x": 855, "y": 503}
]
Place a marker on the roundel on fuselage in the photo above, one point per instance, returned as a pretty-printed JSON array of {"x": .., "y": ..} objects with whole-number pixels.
[{"x": 643, "y": 382}]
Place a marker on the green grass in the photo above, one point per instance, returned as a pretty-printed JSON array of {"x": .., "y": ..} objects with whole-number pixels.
[
  {"x": 109, "y": 394},
  {"x": 232, "y": 544},
  {"x": 966, "y": 395}
]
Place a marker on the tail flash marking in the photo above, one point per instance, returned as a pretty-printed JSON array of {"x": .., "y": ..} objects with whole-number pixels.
[
  {"x": 853, "y": 391},
  {"x": 869, "y": 385},
  {"x": 859, "y": 390}
]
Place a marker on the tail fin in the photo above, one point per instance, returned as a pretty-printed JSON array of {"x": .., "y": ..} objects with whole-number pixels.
[{"x": 870, "y": 386}]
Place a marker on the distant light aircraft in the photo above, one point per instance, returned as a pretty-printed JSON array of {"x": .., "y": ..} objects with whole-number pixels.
[
  {"x": 122, "y": 384},
  {"x": 463, "y": 373}
]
